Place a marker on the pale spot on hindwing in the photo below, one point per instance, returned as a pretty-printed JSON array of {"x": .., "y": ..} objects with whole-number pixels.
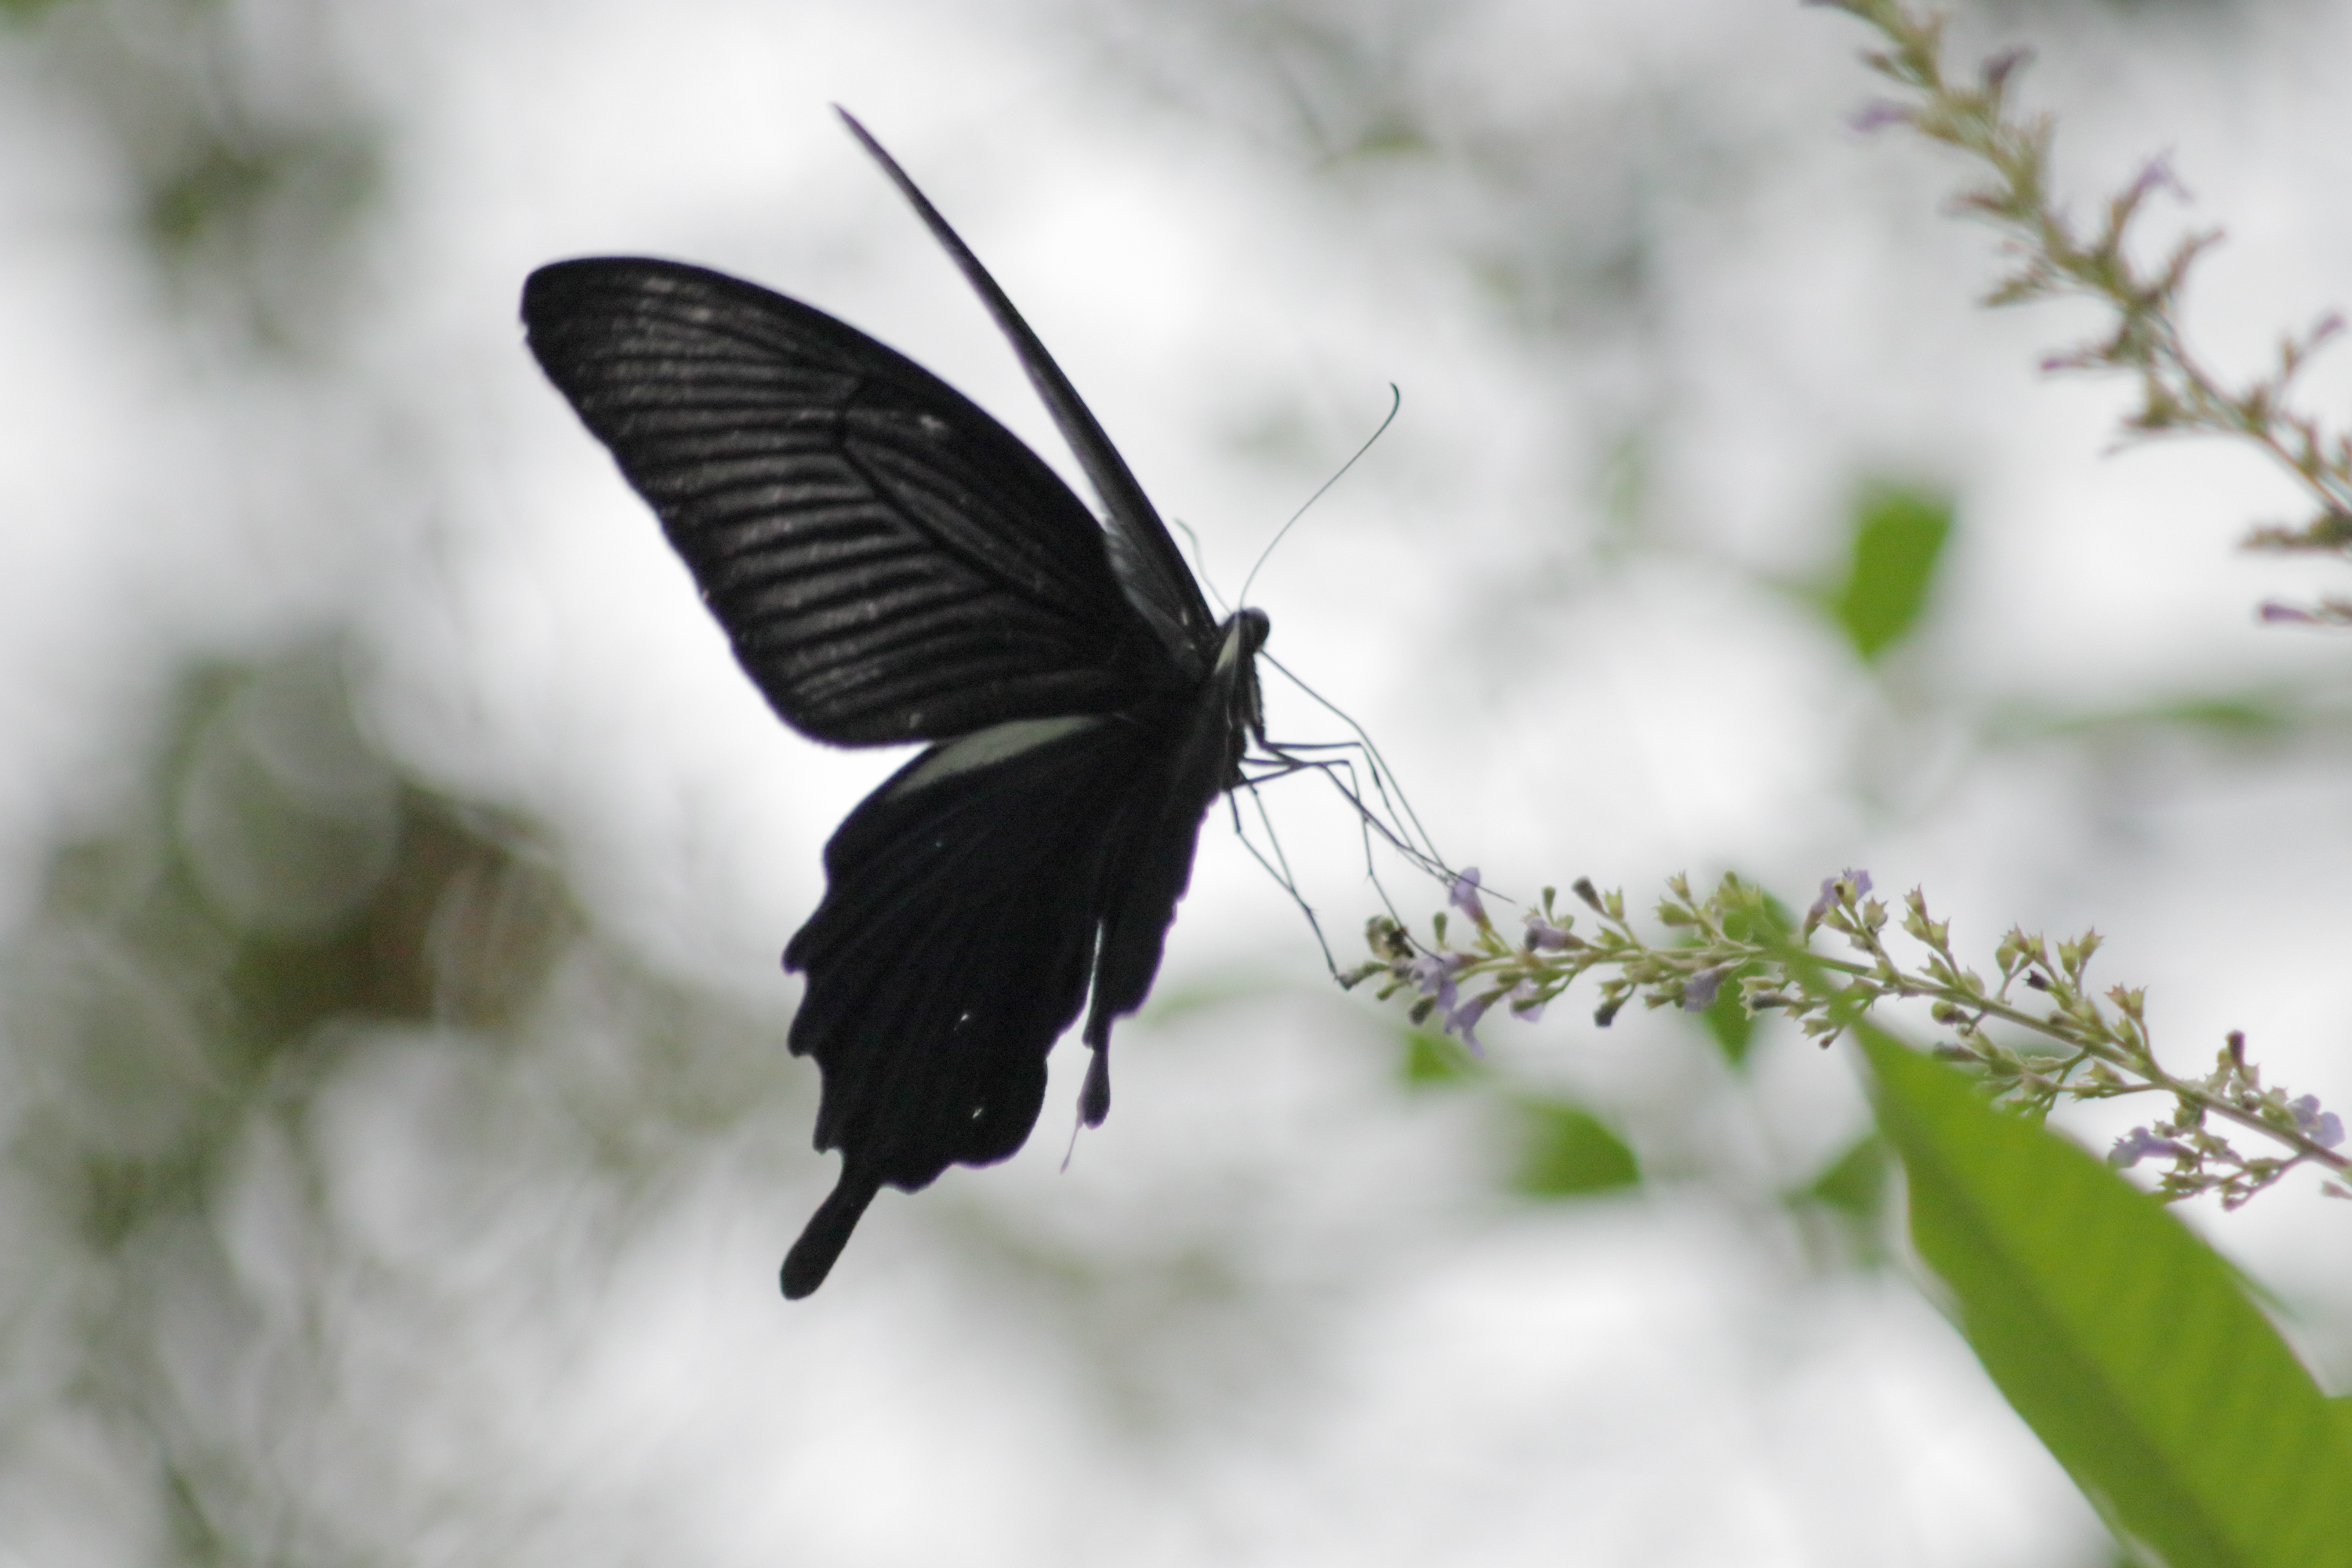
[
  {"x": 1230, "y": 652},
  {"x": 986, "y": 748}
]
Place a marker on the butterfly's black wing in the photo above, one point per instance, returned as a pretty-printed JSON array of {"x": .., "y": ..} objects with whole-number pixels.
[
  {"x": 1149, "y": 566},
  {"x": 890, "y": 563}
]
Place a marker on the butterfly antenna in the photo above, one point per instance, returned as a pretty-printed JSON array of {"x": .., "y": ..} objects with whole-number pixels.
[
  {"x": 1200, "y": 562},
  {"x": 1396, "y": 401}
]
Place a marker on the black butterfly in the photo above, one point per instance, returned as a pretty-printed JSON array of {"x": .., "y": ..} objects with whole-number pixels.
[{"x": 891, "y": 564}]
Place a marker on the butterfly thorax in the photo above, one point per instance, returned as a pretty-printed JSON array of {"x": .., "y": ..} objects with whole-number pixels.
[{"x": 1244, "y": 633}]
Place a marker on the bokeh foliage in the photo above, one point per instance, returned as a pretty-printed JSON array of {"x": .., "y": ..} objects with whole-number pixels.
[{"x": 279, "y": 914}]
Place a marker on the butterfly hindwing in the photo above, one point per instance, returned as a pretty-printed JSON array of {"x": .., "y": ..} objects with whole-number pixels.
[
  {"x": 889, "y": 561},
  {"x": 954, "y": 946},
  {"x": 971, "y": 904}
]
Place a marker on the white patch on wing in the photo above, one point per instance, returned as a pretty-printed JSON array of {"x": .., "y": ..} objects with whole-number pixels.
[
  {"x": 1232, "y": 650},
  {"x": 985, "y": 748}
]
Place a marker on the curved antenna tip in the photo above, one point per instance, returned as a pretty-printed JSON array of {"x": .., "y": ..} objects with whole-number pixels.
[{"x": 1396, "y": 402}]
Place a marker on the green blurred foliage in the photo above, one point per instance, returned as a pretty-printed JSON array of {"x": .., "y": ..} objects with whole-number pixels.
[
  {"x": 277, "y": 909},
  {"x": 1566, "y": 1151},
  {"x": 1726, "y": 1021},
  {"x": 2234, "y": 720},
  {"x": 1897, "y": 543},
  {"x": 1433, "y": 1060},
  {"x": 1852, "y": 1196},
  {"x": 251, "y": 170},
  {"x": 1559, "y": 1149},
  {"x": 229, "y": 190},
  {"x": 1729, "y": 1024},
  {"x": 1856, "y": 1184},
  {"x": 283, "y": 878}
]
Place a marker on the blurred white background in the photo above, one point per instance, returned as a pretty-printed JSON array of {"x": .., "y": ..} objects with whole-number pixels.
[{"x": 1658, "y": 317}]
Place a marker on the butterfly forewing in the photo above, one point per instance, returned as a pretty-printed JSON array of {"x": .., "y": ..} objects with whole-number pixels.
[
  {"x": 1142, "y": 554},
  {"x": 890, "y": 562}
]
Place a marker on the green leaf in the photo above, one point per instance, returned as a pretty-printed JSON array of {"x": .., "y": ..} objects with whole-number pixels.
[
  {"x": 1898, "y": 539},
  {"x": 1855, "y": 1182},
  {"x": 2124, "y": 1341},
  {"x": 1749, "y": 914},
  {"x": 1853, "y": 1194},
  {"x": 1432, "y": 1060},
  {"x": 1569, "y": 1153},
  {"x": 1219, "y": 989},
  {"x": 1729, "y": 1023}
]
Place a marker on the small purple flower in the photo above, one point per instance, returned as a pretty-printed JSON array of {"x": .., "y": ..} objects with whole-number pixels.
[
  {"x": 2156, "y": 174},
  {"x": 2274, "y": 610},
  {"x": 1527, "y": 1004},
  {"x": 1877, "y": 115},
  {"x": 2324, "y": 1127},
  {"x": 1698, "y": 991},
  {"x": 1464, "y": 895},
  {"x": 1829, "y": 898},
  {"x": 1545, "y": 937},
  {"x": 2004, "y": 65},
  {"x": 1464, "y": 1021},
  {"x": 1434, "y": 973},
  {"x": 2139, "y": 1144}
]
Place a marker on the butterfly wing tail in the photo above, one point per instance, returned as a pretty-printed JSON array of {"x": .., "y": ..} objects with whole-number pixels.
[{"x": 828, "y": 1232}]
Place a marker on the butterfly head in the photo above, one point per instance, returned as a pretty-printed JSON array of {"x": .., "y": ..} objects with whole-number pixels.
[{"x": 1244, "y": 632}]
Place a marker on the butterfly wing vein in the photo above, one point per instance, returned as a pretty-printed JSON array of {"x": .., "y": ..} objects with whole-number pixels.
[{"x": 890, "y": 562}]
